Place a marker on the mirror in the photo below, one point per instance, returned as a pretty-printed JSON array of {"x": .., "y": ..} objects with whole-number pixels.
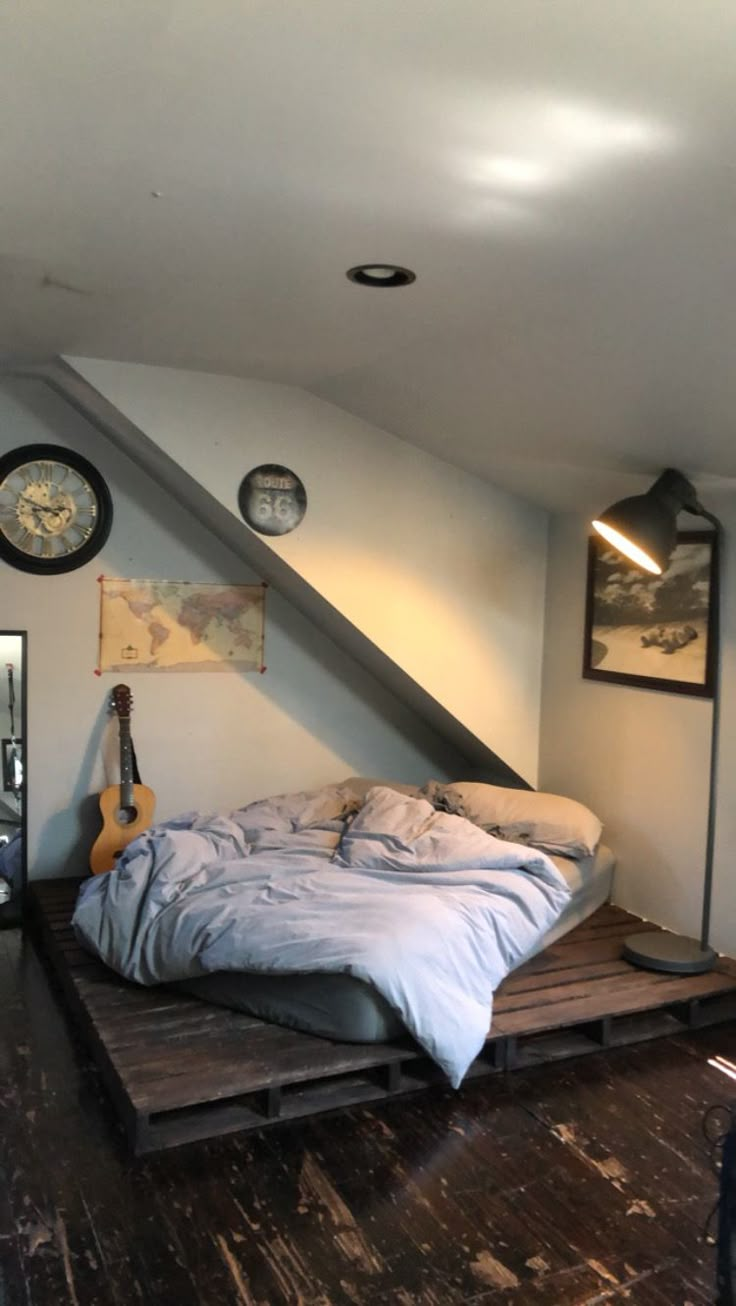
[{"x": 13, "y": 871}]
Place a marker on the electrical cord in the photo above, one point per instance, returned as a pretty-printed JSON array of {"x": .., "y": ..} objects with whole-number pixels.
[
  {"x": 719, "y": 1132},
  {"x": 716, "y": 1123}
]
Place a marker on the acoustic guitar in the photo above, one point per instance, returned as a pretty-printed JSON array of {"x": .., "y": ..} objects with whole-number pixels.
[{"x": 127, "y": 809}]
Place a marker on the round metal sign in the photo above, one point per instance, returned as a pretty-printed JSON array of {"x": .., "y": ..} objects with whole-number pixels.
[{"x": 272, "y": 499}]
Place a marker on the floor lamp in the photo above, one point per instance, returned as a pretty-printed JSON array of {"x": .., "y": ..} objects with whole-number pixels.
[{"x": 644, "y": 529}]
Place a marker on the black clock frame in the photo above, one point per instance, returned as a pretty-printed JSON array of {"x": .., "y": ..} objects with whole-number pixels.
[{"x": 67, "y": 457}]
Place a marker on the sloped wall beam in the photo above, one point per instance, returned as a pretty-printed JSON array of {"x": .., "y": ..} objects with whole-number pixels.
[{"x": 466, "y": 751}]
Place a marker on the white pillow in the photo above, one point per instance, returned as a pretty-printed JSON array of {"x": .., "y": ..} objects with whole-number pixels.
[{"x": 547, "y": 821}]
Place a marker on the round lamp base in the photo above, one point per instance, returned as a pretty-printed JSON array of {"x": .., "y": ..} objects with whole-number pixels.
[{"x": 660, "y": 950}]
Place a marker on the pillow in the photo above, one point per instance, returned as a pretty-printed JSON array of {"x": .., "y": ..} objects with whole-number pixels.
[{"x": 547, "y": 821}]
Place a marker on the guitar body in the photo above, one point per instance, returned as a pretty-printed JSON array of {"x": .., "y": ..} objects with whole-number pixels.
[
  {"x": 120, "y": 826},
  {"x": 127, "y": 808}
]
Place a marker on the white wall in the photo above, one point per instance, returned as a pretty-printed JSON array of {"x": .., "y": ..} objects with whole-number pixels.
[
  {"x": 214, "y": 740},
  {"x": 442, "y": 571},
  {"x": 639, "y": 758}
]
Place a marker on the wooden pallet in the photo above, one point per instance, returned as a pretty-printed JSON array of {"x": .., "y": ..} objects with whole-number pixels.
[{"x": 179, "y": 1069}]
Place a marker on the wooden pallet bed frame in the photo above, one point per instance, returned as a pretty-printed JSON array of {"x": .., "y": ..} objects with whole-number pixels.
[{"x": 179, "y": 1069}]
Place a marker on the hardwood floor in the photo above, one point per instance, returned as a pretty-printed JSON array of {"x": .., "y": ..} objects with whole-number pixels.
[{"x": 582, "y": 1182}]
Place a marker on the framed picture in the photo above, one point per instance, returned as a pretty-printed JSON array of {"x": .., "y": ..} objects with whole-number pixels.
[{"x": 655, "y": 632}]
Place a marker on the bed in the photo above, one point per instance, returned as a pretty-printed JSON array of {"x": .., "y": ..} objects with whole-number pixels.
[
  {"x": 351, "y": 1010},
  {"x": 358, "y": 911}
]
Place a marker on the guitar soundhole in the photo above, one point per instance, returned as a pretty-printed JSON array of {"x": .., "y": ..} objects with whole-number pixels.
[{"x": 126, "y": 815}]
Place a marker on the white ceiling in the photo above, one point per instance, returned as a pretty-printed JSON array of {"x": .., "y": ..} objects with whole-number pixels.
[{"x": 561, "y": 176}]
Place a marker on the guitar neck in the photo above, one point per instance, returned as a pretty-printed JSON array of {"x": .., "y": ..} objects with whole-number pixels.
[{"x": 126, "y": 763}]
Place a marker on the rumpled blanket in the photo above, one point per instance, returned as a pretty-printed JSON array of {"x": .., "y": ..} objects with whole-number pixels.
[{"x": 423, "y": 905}]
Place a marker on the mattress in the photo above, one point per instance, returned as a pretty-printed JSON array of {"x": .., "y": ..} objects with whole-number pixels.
[{"x": 351, "y": 1010}]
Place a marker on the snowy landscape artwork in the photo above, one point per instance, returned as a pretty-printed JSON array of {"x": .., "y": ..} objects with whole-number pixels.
[{"x": 652, "y": 631}]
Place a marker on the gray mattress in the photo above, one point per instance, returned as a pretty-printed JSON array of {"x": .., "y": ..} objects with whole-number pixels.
[{"x": 350, "y": 1010}]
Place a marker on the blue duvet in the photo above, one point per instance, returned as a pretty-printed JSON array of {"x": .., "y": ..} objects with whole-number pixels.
[{"x": 423, "y": 905}]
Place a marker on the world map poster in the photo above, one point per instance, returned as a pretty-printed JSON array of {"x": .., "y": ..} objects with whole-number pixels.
[{"x": 169, "y": 625}]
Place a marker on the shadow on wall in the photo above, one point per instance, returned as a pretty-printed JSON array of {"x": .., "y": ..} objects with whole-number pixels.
[
  {"x": 84, "y": 805},
  {"x": 678, "y": 908},
  {"x": 356, "y": 734}
]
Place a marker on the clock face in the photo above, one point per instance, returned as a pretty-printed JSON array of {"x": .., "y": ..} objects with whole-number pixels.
[{"x": 55, "y": 509}]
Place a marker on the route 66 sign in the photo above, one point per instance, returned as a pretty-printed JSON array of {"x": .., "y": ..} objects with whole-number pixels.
[{"x": 272, "y": 499}]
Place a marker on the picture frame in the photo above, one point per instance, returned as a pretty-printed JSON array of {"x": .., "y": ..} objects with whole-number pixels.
[
  {"x": 653, "y": 632},
  {"x": 7, "y": 753}
]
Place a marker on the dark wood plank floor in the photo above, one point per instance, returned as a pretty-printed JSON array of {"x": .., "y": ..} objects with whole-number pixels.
[{"x": 579, "y": 1183}]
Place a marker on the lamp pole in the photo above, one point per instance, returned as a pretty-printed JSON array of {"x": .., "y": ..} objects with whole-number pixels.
[{"x": 715, "y": 731}]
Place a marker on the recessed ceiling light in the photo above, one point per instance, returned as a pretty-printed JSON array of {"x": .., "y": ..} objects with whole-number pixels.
[{"x": 381, "y": 274}]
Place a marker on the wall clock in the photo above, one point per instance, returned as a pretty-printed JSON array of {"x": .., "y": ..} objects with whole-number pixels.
[
  {"x": 55, "y": 509},
  {"x": 272, "y": 499}
]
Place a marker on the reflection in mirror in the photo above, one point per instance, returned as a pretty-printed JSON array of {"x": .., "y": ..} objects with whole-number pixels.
[{"x": 12, "y": 781}]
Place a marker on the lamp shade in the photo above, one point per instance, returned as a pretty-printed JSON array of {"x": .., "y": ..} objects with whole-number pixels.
[{"x": 644, "y": 526}]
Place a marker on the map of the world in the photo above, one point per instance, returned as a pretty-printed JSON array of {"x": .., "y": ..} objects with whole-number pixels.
[{"x": 168, "y": 625}]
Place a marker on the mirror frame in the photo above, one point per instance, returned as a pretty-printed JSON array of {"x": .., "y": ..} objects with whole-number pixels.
[{"x": 13, "y": 914}]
